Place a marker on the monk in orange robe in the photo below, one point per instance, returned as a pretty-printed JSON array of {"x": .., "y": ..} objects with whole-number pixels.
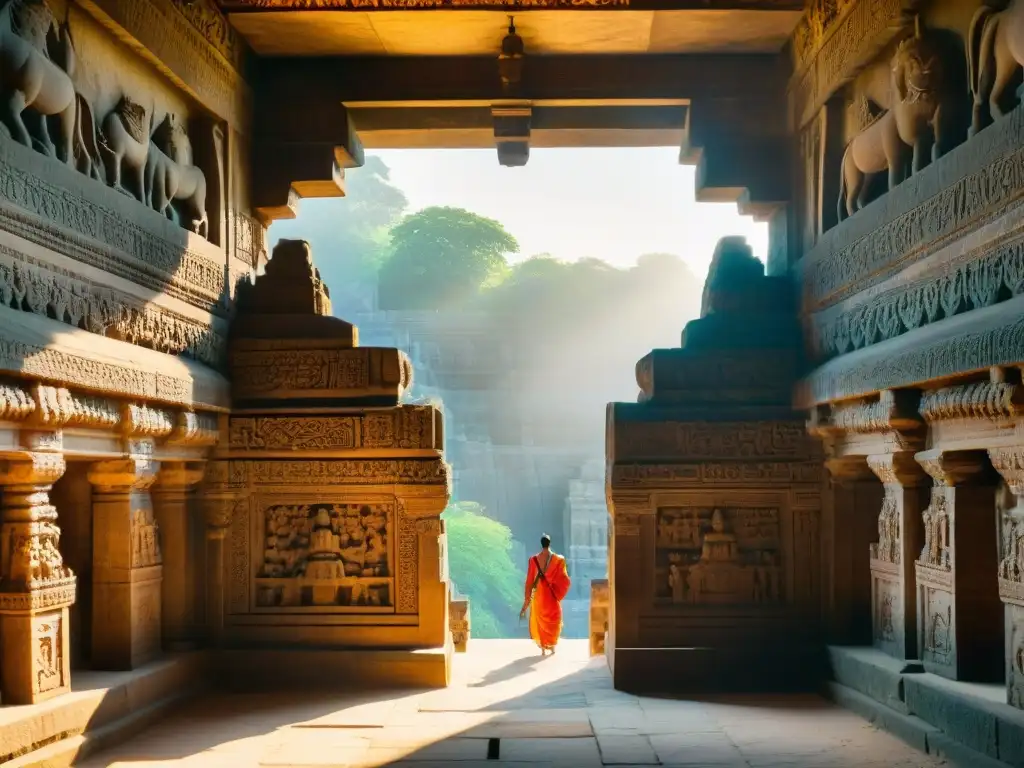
[{"x": 547, "y": 584}]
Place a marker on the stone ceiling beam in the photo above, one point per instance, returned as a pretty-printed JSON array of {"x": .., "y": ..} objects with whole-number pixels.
[
  {"x": 263, "y": 6},
  {"x": 299, "y": 150},
  {"x": 293, "y": 82}
]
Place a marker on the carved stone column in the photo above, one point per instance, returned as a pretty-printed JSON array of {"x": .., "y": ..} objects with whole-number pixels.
[
  {"x": 127, "y": 565},
  {"x": 218, "y": 508},
  {"x": 1009, "y": 462},
  {"x": 900, "y": 538},
  {"x": 959, "y": 614},
  {"x": 850, "y": 525},
  {"x": 36, "y": 588},
  {"x": 173, "y": 499},
  {"x": 626, "y": 582}
]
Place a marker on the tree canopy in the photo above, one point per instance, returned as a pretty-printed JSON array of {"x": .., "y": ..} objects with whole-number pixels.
[
  {"x": 441, "y": 257},
  {"x": 481, "y": 566}
]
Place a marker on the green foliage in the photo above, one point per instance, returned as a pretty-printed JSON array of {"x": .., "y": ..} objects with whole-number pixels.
[
  {"x": 440, "y": 257},
  {"x": 481, "y": 566}
]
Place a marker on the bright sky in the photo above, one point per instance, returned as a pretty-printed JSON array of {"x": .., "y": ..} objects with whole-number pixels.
[{"x": 611, "y": 204}]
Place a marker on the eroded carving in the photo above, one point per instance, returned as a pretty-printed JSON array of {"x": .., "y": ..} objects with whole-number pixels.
[
  {"x": 937, "y": 551},
  {"x": 48, "y": 651},
  {"x": 326, "y": 555},
  {"x": 715, "y": 556},
  {"x": 172, "y": 177},
  {"x": 888, "y": 549}
]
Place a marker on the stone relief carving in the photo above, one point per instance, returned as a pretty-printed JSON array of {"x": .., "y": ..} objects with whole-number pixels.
[
  {"x": 344, "y": 471},
  {"x": 985, "y": 400},
  {"x": 326, "y": 555},
  {"x": 832, "y": 41},
  {"x": 207, "y": 19},
  {"x": 705, "y": 440},
  {"x": 782, "y": 472},
  {"x": 912, "y": 121},
  {"x": 888, "y": 548},
  {"x": 713, "y": 556},
  {"x": 275, "y": 433},
  {"x": 936, "y": 552},
  {"x": 49, "y": 646},
  {"x": 938, "y": 628},
  {"x": 407, "y": 427},
  {"x": 31, "y": 286},
  {"x": 145, "y": 535},
  {"x": 973, "y": 282},
  {"x": 995, "y": 51},
  {"x": 250, "y": 240},
  {"x": 887, "y": 609},
  {"x": 265, "y": 371},
  {"x": 158, "y": 164},
  {"x": 838, "y": 270}
]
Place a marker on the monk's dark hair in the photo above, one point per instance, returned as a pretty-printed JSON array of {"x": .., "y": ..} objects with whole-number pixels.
[{"x": 545, "y": 541}]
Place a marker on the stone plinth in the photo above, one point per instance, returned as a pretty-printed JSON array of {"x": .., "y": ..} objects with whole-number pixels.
[
  {"x": 458, "y": 621},
  {"x": 714, "y": 492},
  {"x": 323, "y": 509},
  {"x": 598, "y": 616}
]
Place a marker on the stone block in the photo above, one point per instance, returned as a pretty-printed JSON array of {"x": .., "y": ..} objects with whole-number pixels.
[{"x": 459, "y": 623}]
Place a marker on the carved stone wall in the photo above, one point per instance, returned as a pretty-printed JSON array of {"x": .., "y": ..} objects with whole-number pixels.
[
  {"x": 715, "y": 500},
  {"x": 325, "y": 528}
]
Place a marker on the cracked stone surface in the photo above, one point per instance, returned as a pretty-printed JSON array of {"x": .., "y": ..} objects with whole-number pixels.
[{"x": 508, "y": 706}]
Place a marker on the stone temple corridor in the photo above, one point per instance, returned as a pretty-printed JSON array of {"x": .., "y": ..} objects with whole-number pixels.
[{"x": 507, "y": 706}]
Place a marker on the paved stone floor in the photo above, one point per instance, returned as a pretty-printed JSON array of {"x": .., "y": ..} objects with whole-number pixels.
[{"x": 508, "y": 706}]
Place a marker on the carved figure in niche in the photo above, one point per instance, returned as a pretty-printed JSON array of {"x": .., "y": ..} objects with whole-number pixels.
[
  {"x": 37, "y": 62},
  {"x": 325, "y": 555},
  {"x": 35, "y": 560},
  {"x": 939, "y": 640},
  {"x": 124, "y": 139},
  {"x": 48, "y": 675},
  {"x": 913, "y": 121},
  {"x": 171, "y": 176},
  {"x": 935, "y": 551},
  {"x": 888, "y": 547},
  {"x": 677, "y": 583},
  {"x": 886, "y": 630},
  {"x": 995, "y": 51}
]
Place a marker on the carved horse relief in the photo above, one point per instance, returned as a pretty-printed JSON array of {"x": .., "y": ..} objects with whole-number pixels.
[
  {"x": 995, "y": 51},
  {"x": 124, "y": 138},
  {"x": 170, "y": 175},
  {"x": 912, "y": 122},
  {"x": 38, "y": 87}
]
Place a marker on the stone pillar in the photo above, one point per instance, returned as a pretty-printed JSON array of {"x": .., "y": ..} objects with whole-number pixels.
[
  {"x": 218, "y": 509},
  {"x": 433, "y": 585},
  {"x": 598, "y": 615},
  {"x": 960, "y": 616},
  {"x": 173, "y": 498},
  {"x": 850, "y": 525},
  {"x": 900, "y": 538},
  {"x": 36, "y": 588},
  {"x": 1009, "y": 462},
  {"x": 127, "y": 565},
  {"x": 459, "y": 623},
  {"x": 626, "y": 583}
]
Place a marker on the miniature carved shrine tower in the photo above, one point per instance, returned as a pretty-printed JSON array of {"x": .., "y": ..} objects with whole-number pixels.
[
  {"x": 328, "y": 496},
  {"x": 714, "y": 492}
]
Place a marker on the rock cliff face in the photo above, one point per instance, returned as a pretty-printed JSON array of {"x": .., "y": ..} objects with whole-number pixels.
[{"x": 513, "y": 447}]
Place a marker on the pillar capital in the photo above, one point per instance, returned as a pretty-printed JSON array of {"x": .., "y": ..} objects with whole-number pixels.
[
  {"x": 897, "y": 468},
  {"x": 123, "y": 475},
  {"x": 1009, "y": 463},
  {"x": 951, "y": 468},
  {"x": 31, "y": 468},
  {"x": 218, "y": 509},
  {"x": 178, "y": 475},
  {"x": 848, "y": 469}
]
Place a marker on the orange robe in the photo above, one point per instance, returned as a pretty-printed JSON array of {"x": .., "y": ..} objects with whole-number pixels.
[{"x": 546, "y": 600}]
